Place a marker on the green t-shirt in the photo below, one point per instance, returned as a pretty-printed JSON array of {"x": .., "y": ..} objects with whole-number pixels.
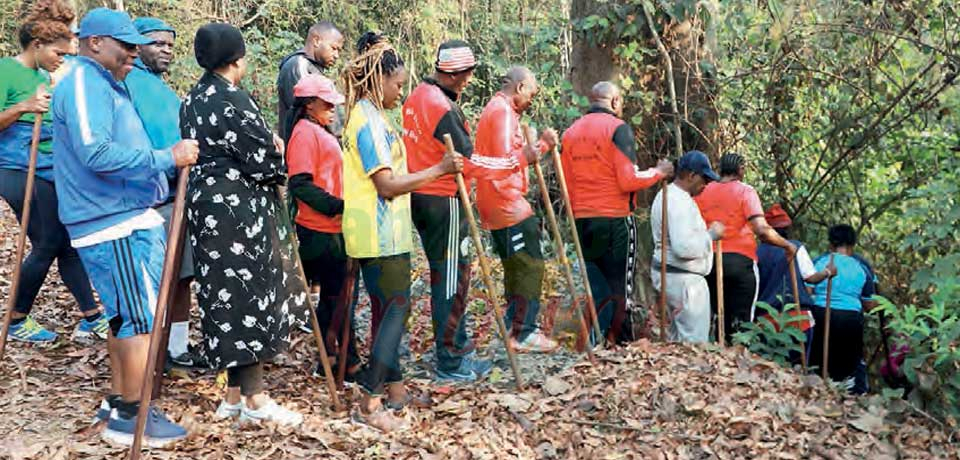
[{"x": 19, "y": 83}]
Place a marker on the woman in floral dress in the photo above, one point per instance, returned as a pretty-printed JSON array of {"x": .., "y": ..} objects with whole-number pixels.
[{"x": 248, "y": 281}]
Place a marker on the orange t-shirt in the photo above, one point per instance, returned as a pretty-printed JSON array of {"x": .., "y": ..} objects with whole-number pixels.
[
  {"x": 732, "y": 204},
  {"x": 313, "y": 150}
]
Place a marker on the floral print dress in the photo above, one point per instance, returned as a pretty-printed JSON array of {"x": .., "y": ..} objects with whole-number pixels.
[{"x": 249, "y": 284}]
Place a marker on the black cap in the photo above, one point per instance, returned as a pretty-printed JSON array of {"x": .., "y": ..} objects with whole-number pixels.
[
  {"x": 697, "y": 161},
  {"x": 218, "y": 44}
]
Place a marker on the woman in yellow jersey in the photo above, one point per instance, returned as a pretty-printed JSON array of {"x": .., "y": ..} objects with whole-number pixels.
[{"x": 377, "y": 226}]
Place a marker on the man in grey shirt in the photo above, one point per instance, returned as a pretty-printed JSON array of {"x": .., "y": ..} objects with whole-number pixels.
[
  {"x": 689, "y": 249},
  {"x": 320, "y": 51}
]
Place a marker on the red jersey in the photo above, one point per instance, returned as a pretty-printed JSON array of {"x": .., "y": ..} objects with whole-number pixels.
[
  {"x": 599, "y": 164},
  {"x": 733, "y": 204},
  {"x": 313, "y": 150},
  {"x": 502, "y": 201}
]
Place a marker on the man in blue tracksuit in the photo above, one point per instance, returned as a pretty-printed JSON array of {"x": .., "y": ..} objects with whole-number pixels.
[
  {"x": 159, "y": 109},
  {"x": 109, "y": 177}
]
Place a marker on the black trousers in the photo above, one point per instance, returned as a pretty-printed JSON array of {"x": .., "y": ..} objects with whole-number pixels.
[
  {"x": 846, "y": 341},
  {"x": 519, "y": 250},
  {"x": 740, "y": 282},
  {"x": 324, "y": 260},
  {"x": 609, "y": 250}
]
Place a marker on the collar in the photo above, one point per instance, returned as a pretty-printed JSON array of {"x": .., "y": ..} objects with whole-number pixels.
[
  {"x": 89, "y": 62},
  {"x": 446, "y": 92},
  {"x": 596, "y": 109},
  {"x": 142, "y": 66}
]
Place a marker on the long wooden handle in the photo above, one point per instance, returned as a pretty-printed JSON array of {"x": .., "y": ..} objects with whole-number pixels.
[
  {"x": 826, "y": 327},
  {"x": 565, "y": 194},
  {"x": 168, "y": 283},
  {"x": 664, "y": 238},
  {"x": 345, "y": 304},
  {"x": 485, "y": 268},
  {"x": 560, "y": 248},
  {"x": 22, "y": 236},
  {"x": 721, "y": 324},
  {"x": 796, "y": 300}
]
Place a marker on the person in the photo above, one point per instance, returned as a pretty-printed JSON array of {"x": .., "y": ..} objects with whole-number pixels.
[
  {"x": 159, "y": 109},
  {"x": 248, "y": 280},
  {"x": 689, "y": 249},
  {"x": 377, "y": 227},
  {"x": 852, "y": 293},
  {"x": 320, "y": 52},
  {"x": 24, "y": 92},
  {"x": 505, "y": 211},
  {"x": 108, "y": 178},
  {"x": 775, "y": 284},
  {"x": 315, "y": 166},
  {"x": 432, "y": 111},
  {"x": 599, "y": 164},
  {"x": 737, "y": 206}
]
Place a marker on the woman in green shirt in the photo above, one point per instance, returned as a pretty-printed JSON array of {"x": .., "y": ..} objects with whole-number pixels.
[{"x": 45, "y": 38}]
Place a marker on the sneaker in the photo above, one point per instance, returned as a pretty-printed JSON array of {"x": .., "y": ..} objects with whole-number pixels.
[
  {"x": 461, "y": 375},
  {"x": 103, "y": 412},
  {"x": 271, "y": 412},
  {"x": 227, "y": 410},
  {"x": 480, "y": 367},
  {"x": 90, "y": 330},
  {"x": 536, "y": 342},
  {"x": 159, "y": 433},
  {"x": 190, "y": 358},
  {"x": 29, "y": 330}
]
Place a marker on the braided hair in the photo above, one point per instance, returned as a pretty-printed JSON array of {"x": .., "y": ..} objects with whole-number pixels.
[
  {"x": 364, "y": 74},
  {"x": 730, "y": 164},
  {"x": 48, "y": 21}
]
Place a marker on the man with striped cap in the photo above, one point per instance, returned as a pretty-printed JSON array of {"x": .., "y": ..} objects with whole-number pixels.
[{"x": 430, "y": 112}]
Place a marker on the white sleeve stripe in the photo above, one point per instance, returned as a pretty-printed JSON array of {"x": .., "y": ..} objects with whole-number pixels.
[
  {"x": 645, "y": 174},
  {"x": 83, "y": 116},
  {"x": 494, "y": 162}
]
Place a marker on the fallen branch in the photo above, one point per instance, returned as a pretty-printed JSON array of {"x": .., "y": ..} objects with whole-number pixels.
[{"x": 614, "y": 426}]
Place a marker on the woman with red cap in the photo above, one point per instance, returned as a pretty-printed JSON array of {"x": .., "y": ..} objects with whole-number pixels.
[{"x": 315, "y": 167}]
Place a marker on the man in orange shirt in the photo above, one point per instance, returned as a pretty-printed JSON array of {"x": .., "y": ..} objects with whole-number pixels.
[
  {"x": 599, "y": 163},
  {"x": 505, "y": 211},
  {"x": 737, "y": 206}
]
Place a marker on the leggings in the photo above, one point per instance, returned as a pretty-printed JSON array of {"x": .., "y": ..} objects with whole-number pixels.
[
  {"x": 388, "y": 283},
  {"x": 49, "y": 241},
  {"x": 249, "y": 378}
]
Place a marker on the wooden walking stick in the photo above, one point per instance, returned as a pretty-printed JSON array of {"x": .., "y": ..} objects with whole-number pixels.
[
  {"x": 345, "y": 304},
  {"x": 22, "y": 237},
  {"x": 721, "y": 325},
  {"x": 485, "y": 268},
  {"x": 168, "y": 281},
  {"x": 826, "y": 326},
  {"x": 796, "y": 301},
  {"x": 664, "y": 237},
  {"x": 558, "y": 242},
  {"x": 565, "y": 194}
]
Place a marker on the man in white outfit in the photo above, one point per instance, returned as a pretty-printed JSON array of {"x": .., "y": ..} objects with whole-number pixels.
[{"x": 689, "y": 249}]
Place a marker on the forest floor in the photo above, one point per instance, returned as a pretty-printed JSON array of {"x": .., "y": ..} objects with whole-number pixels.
[{"x": 649, "y": 400}]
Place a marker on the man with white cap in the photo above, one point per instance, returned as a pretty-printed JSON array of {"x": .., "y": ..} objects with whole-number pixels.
[{"x": 109, "y": 177}]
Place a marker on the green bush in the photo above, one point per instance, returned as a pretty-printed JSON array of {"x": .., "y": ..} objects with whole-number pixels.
[{"x": 763, "y": 338}]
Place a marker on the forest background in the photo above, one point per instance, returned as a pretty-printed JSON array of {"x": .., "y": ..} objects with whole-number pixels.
[{"x": 847, "y": 111}]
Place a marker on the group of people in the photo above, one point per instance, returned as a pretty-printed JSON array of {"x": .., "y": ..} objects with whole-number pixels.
[{"x": 115, "y": 135}]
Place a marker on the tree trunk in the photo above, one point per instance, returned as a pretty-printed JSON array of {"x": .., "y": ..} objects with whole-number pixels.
[{"x": 591, "y": 62}]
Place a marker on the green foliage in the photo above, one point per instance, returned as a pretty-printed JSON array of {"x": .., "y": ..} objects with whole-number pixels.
[
  {"x": 763, "y": 337},
  {"x": 933, "y": 364}
]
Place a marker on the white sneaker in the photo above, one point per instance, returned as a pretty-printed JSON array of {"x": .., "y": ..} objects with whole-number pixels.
[
  {"x": 227, "y": 410},
  {"x": 271, "y": 412}
]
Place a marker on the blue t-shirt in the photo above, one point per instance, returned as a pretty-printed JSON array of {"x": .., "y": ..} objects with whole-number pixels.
[{"x": 854, "y": 283}]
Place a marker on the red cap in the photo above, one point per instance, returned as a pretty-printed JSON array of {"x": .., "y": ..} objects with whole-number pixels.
[
  {"x": 313, "y": 85},
  {"x": 777, "y": 217}
]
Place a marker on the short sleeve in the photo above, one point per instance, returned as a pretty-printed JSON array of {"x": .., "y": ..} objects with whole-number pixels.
[
  {"x": 300, "y": 152},
  {"x": 806, "y": 265},
  {"x": 751, "y": 204},
  {"x": 373, "y": 146}
]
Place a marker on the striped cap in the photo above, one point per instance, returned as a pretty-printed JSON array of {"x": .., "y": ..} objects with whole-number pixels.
[{"x": 455, "y": 56}]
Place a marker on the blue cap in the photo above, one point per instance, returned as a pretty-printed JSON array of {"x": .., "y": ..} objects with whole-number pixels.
[
  {"x": 697, "y": 162},
  {"x": 104, "y": 22},
  {"x": 146, "y": 25}
]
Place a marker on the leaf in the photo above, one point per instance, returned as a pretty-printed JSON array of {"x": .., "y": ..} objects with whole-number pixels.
[{"x": 554, "y": 386}]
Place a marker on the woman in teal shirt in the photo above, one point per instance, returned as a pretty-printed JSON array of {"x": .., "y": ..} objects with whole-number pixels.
[{"x": 45, "y": 39}]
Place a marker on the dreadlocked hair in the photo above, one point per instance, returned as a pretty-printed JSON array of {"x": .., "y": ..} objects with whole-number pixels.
[
  {"x": 48, "y": 21},
  {"x": 364, "y": 74}
]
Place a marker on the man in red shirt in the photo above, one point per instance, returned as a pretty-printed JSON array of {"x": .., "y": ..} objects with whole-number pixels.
[
  {"x": 599, "y": 163},
  {"x": 429, "y": 112},
  {"x": 505, "y": 210},
  {"x": 737, "y": 206}
]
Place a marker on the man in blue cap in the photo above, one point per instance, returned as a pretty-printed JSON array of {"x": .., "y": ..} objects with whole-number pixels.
[
  {"x": 159, "y": 109},
  {"x": 109, "y": 177},
  {"x": 689, "y": 249}
]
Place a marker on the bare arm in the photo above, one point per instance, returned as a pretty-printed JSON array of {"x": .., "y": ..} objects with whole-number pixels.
[
  {"x": 39, "y": 103},
  {"x": 767, "y": 234},
  {"x": 390, "y": 185}
]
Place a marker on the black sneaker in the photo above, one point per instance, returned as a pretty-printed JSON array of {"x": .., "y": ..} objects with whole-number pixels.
[{"x": 189, "y": 359}]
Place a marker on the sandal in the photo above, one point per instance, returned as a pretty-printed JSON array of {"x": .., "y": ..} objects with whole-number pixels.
[{"x": 423, "y": 401}]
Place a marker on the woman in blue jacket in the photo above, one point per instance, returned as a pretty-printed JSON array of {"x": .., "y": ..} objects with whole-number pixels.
[{"x": 45, "y": 38}]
